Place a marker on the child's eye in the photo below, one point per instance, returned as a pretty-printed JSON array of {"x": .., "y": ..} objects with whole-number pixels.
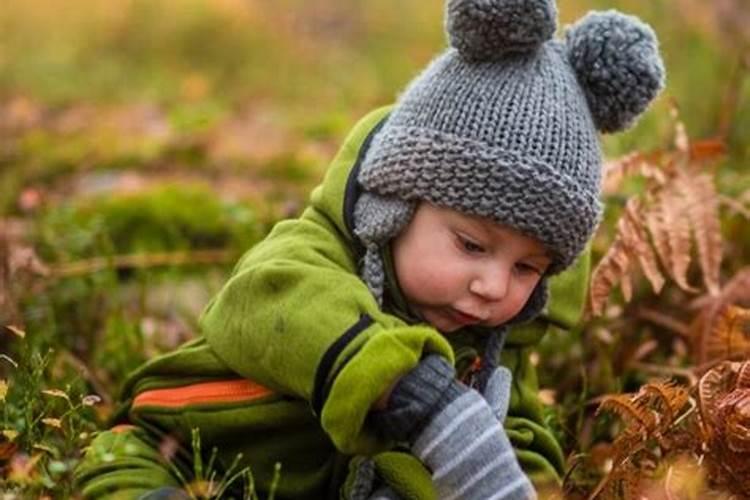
[
  {"x": 470, "y": 246},
  {"x": 528, "y": 268}
]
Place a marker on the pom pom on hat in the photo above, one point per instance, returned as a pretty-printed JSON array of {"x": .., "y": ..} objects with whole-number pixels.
[
  {"x": 484, "y": 30},
  {"x": 617, "y": 63}
]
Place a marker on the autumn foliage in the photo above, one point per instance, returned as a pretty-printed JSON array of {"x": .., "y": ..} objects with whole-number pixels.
[{"x": 672, "y": 431}]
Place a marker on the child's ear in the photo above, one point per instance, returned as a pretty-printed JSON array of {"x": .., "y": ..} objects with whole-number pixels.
[
  {"x": 617, "y": 63},
  {"x": 483, "y": 30}
]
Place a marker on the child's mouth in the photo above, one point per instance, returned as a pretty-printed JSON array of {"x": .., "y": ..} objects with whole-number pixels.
[{"x": 462, "y": 318}]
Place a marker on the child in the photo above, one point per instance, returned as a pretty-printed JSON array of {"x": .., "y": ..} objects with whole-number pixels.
[{"x": 346, "y": 345}]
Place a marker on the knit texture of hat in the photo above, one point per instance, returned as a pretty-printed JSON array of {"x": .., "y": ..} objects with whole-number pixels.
[{"x": 504, "y": 123}]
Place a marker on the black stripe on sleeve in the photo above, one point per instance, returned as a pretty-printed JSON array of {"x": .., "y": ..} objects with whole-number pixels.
[{"x": 320, "y": 389}]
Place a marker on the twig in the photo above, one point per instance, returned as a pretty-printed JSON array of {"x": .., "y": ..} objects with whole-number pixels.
[
  {"x": 664, "y": 320},
  {"x": 141, "y": 261},
  {"x": 79, "y": 365},
  {"x": 735, "y": 206},
  {"x": 669, "y": 371}
]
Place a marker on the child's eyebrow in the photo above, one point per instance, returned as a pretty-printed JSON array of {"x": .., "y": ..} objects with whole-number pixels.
[{"x": 485, "y": 227}]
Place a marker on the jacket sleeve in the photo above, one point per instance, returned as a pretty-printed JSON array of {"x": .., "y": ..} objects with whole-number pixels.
[{"x": 295, "y": 316}]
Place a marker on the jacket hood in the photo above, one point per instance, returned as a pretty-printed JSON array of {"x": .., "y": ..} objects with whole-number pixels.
[{"x": 338, "y": 192}]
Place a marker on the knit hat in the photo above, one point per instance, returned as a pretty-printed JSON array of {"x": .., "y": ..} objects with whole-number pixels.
[{"x": 503, "y": 124}]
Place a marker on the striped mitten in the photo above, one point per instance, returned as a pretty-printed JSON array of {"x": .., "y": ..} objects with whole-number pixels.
[{"x": 455, "y": 433}]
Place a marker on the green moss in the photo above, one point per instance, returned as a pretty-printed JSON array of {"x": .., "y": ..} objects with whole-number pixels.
[{"x": 161, "y": 218}]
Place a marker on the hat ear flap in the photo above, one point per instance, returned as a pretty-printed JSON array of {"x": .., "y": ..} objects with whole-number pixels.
[
  {"x": 617, "y": 63},
  {"x": 483, "y": 30}
]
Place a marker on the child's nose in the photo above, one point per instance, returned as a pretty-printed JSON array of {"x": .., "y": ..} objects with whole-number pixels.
[{"x": 492, "y": 285}]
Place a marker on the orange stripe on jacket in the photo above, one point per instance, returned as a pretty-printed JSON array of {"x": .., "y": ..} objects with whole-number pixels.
[
  {"x": 119, "y": 429},
  {"x": 221, "y": 391}
]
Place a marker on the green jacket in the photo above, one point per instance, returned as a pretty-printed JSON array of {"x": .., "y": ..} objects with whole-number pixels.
[{"x": 297, "y": 326}]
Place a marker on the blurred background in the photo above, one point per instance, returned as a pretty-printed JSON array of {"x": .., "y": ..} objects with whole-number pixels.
[{"x": 144, "y": 144}]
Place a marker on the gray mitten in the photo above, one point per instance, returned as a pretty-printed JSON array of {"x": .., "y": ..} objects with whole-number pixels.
[
  {"x": 497, "y": 392},
  {"x": 469, "y": 453},
  {"x": 456, "y": 433}
]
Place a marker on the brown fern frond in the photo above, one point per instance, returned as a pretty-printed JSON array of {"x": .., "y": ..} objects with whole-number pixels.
[
  {"x": 735, "y": 291},
  {"x": 637, "y": 418},
  {"x": 743, "y": 376},
  {"x": 668, "y": 398},
  {"x": 635, "y": 235},
  {"x": 631, "y": 244},
  {"x": 611, "y": 270},
  {"x": 623, "y": 481},
  {"x": 702, "y": 210},
  {"x": 636, "y": 163},
  {"x": 728, "y": 339},
  {"x": 670, "y": 231},
  {"x": 627, "y": 443},
  {"x": 711, "y": 387},
  {"x": 629, "y": 482},
  {"x": 724, "y": 406}
]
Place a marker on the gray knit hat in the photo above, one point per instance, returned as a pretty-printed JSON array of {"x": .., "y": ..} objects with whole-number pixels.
[{"x": 504, "y": 124}]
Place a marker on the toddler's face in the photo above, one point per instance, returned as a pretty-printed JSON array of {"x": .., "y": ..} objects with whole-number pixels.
[{"x": 457, "y": 270}]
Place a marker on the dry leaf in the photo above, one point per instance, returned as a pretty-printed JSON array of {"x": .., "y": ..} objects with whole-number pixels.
[
  {"x": 3, "y": 389},
  {"x": 57, "y": 393},
  {"x": 631, "y": 244},
  {"x": 44, "y": 447},
  {"x": 670, "y": 207},
  {"x": 610, "y": 271},
  {"x": 52, "y": 422},
  {"x": 632, "y": 164},
  {"x": 657, "y": 229},
  {"x": 10, "y": 434},
  {"x": 724, "y": 403},
  {"x": 736, "y": 291},
  {"x": 707, "y": 150},
  {"x": 15, "y": 330},
  {"x": 91, "y": 400},
  {"x": 702, "y": 210},
  {"x": 727, "y": 338},
  {"x": 638, "y": 244}
]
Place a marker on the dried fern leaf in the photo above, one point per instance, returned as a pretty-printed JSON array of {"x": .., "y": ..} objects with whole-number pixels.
[
  {"x": 635, "y": 235},
  {"x": 631, "y": 244},
  {"x": 735, "y": 291},
  {"x": 709, "y": 390},
  {"x": 743, "y": 376},
  {"x": 632, "y": 164},
  {"x": 706, "y": 150},
  {"x": 702, "y": 209},
  {"x": 670, "y": 232},
  {"x": 670, "y": 399},
  {"x": 727, "y": 338},
  {"x": 621, "y": 482},
  {"x": 610, "y": 271},
  {"x": 635, "y": 417}
]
